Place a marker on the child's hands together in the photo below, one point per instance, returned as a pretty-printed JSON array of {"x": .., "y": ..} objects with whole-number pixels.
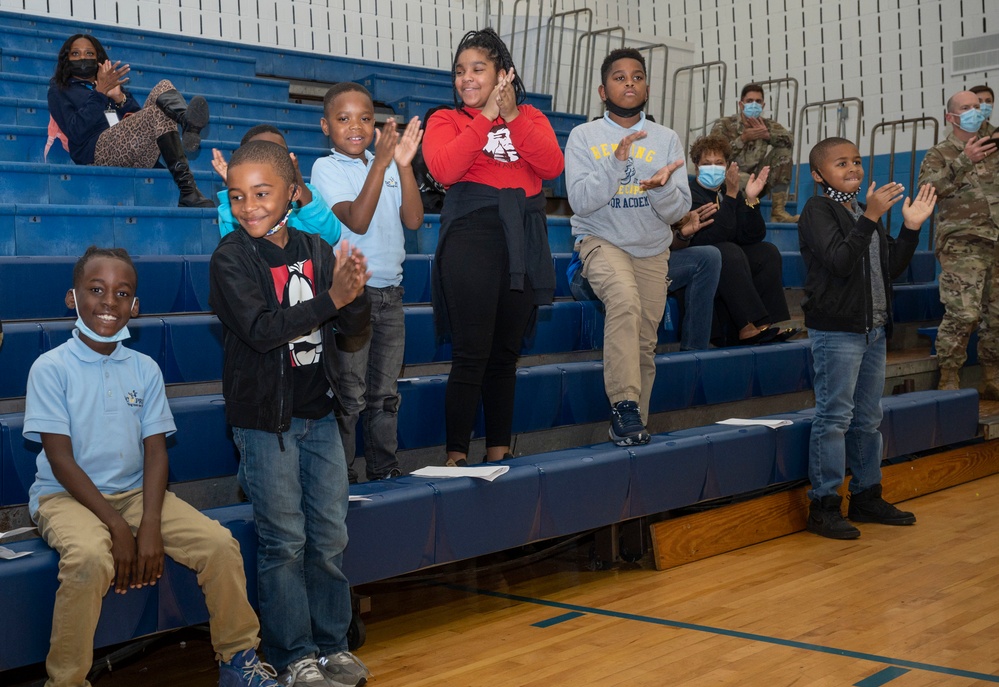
[
  {"x": 386, "y": 140},
  {"x": 623, "y": 150},
  {"x": 917, "y": 211},
  {"x": 662, "y": 176},
  {"x": 880, "y": 201},
  {"x": 506, "y": 99},
  {"x": 219, "y": 164},
  {"x": 350, "y": 274},
  {"x": 409, "y": 143}
]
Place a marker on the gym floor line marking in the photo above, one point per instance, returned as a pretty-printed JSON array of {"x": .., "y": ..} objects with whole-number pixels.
[
  {"x": 558, "y": 619},
  {"x": 882, "y": 677},
  {"x": 860, "y": 655}
]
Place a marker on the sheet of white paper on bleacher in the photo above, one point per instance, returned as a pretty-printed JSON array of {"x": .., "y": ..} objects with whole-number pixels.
[
  {"x": 7, "y": 554},
  {"x": 741, "y": 422},
  {"x": 358, "y": 498},
  {"x": 486, "y": 472},
  {"x": 19, "y": 530}
]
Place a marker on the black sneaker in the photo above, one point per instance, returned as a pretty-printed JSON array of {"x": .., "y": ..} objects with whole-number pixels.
[
  {"x": 826, "y": 519},
  {"x": 868, "y": 506},
  {"x": 626, "y": 425}
]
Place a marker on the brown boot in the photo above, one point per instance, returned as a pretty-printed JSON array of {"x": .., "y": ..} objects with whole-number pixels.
[
  {"x": 990, "y": 375},
  {"x": 777, "y": 211},
  {"x": 950, "y": 379}
]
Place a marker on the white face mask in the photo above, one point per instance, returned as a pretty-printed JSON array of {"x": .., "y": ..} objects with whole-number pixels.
[{"x": 121, "y": 335}]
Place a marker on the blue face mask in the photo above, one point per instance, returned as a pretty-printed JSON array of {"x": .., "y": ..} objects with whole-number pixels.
[
  {"x": 986, "y": 110},
  {"x": 710, "y": 176},
  {"x": 971, "y": 120},
  {"x": 121, "y": 335},
  {"x": 752, "y": 110}
]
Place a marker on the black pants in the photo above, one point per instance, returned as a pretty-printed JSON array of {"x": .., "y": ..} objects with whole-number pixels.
[
  {"x": 488, "y": 322},
  {"x": 750, "y": 289}
]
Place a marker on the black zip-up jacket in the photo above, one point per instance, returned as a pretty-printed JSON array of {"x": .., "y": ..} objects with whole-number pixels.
[
  {"x": 836, "y": 251},
  {"x": 256, "y": 372}
]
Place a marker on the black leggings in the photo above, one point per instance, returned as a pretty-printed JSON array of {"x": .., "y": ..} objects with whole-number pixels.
[{"x": 488, "y": 322}]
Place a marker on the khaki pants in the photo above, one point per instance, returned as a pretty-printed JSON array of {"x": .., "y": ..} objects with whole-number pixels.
[
  {"x": 86, "y": 570},
  {"x": 633, "y": 291}
]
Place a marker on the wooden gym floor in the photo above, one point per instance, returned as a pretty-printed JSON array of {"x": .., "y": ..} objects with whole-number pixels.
[{"x": 902, "y": 607}]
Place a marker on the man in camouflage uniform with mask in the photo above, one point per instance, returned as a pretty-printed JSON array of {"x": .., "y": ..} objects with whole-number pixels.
[
  {"x": 758, "y": 142},
  {"x": 964, "y": 169}
]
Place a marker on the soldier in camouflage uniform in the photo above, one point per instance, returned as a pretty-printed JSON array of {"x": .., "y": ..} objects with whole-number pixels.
[
  {"x": 964, "y": 169},
  {"x": 986, "y": 98},
  {"x": 758, "y": 142}
]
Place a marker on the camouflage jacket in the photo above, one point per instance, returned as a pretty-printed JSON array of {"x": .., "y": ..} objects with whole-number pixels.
[
  {"x": 968, "y": 194},
  {"x": 749, "y": 155}
]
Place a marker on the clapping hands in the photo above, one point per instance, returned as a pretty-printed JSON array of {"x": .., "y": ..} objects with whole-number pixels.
[
  {"x": 917, "y": 211},
  {"x": 350, "y": 274}
]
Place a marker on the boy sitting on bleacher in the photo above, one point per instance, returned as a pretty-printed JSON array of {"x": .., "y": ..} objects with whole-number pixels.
[
  {"x": 376, "y": 197},
  {"x": 99, "y": 497},
  {"x": 851, "y": 261},
  {"x": 310, "y": 213}
]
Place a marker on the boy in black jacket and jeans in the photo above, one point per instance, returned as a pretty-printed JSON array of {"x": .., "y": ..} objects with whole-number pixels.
[
  {"x": 283, "y": 296},
  {"x": 851, "y": 261}
]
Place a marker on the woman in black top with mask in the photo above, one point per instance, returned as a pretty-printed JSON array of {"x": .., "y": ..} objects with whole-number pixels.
[{"x": 106, "y": 126}]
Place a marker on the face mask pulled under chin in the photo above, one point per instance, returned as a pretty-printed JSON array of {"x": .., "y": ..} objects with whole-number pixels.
[
  {"x": 83, "y": 69},
  {"x": 625, "y": 112},
  {"x": 120, "y": 335}
]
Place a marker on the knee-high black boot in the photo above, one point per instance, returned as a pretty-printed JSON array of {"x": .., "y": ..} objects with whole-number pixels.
[
  {"x": 172, "y": 151},
  {"x": 192, "y": 117}
]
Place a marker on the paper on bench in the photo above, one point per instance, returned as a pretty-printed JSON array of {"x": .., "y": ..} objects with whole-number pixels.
[
  {"x": 7, "y": 554},
  {"x": 486, "y": 472},
  {"x": 19, "y": 530},
  {"x": 740, "y": 422},
  {"x": 358, "y": 498}
]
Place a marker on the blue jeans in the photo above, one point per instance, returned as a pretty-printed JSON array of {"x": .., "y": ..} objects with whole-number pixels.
[
  {"x": 369, "y": 387},
  {"x": 849, "y": 380},
  {"x": 299, "y": 497},
  {"x": 696, "y": 269}
]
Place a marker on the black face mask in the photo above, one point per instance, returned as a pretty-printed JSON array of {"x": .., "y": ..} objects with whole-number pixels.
[
  {"x": 615, "y": 109},
  {"x": 83, "y": 69}
]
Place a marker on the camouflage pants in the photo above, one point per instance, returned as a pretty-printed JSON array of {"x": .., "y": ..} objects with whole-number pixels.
[
  {"x": 779, "y": 160},
  {"x": 969, "y": 291}
]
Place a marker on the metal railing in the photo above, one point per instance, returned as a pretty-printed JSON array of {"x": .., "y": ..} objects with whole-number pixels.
[
  {"x": 704, "y": 71},
  {"x": 915, "y": 124},
  {"x": 553, "y": 57},
  {"x": 778, "y": 97},
  {"x": 531, "y": 75},
  {"x": 821, "y": 129},
  {"x": 581, "y": 92},
  {"x": 650, "y": 73}
]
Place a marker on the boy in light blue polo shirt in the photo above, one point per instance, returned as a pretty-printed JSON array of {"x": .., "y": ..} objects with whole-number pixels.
[
  {"x": 99, "y": 497},
  {"x": 374, "y": 196}
]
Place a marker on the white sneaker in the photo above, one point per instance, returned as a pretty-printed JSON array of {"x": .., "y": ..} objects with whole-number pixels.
[
  {"x": 304, "y": 673},
  {"x": 343, "y": 669}
]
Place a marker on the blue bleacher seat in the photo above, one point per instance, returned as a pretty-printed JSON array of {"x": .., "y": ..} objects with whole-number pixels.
[
  {"x": 782, "y": 368},
  {"x": 581, "y": 488},
  {"x": 676, "y": 382},
  {"x": 741, "y": 460},
  {"x": 669, "y": 472},
  {"x": 538, "y": 402},
  {"x": 416, "y": 278},
  {"x": 917, "y": 302},
  {"x": 421, "y": 396},
  {"x": 201, "y": 448},
  {"x": 194, "y": 349},
  {"x": 404, "y": 508},
  {"x": 23, "y": 342},
  {"x": 725, "y": 374}
]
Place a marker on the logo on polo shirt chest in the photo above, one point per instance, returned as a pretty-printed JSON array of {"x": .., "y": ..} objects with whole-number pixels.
[{"x": 132, "y": 399}]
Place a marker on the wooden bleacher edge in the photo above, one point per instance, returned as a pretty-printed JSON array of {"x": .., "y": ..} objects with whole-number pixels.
[{"x": 694, "y": 537}]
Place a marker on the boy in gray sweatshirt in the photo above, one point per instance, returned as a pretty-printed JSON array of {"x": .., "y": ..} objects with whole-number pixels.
[{"x": 625, "y": 195}]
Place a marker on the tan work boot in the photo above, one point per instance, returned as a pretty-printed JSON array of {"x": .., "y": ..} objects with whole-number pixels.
[
  {"x": 777, "y": 211},
  {"x": 950, "y": 379},
  {"x": 990, "y": 375}
]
